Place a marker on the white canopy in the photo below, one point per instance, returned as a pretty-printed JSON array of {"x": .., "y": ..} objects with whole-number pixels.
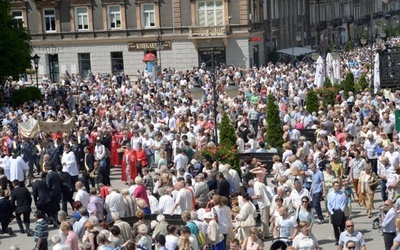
[
  {"x": 329, "y": 67},
  {"x": 295, "y": 51},
  {"x": 319, "y": 73},
  {"x": 377, "y": 75}
]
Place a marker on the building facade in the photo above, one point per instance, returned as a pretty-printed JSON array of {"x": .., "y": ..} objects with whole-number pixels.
[
  {"x": 111, "y": 36},
  {"x": 319, "y": 24}
]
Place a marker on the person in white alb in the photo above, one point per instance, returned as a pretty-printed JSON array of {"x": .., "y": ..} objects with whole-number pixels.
[
  {"x": 81, "y": 195},
  {"x": 16, "y": 167},
  {"x": 114, "y": 203},
  {"x": 68, "y": 161}
]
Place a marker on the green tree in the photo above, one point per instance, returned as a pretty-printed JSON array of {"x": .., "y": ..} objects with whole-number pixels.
[
  {"x": 348, "y": 84},
  {"x": 274, "y": 130},
  {"x": 327, "y": 83},
  {"x": 227, "y": 131},
  {"x": 312, "y": 101},
  {"x": 362, "y": 83},
  {"x": 349, "y": 46},
  {"x": 23, "y": 95},
  {"x": 15, "y": 49},
  {"x": 273, "y": 56}
]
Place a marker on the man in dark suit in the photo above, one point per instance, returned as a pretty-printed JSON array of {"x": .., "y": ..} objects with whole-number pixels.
[
  {"x": 53, "y": 182},
  {"x": 66, "y": 188},
  {"x": 29, "y": 154},
  {"x": 82, "y": 143},
  {"x": 106, "y": 141},
  {"x": 211, "y": 181},
  {"x": 102, "y": 174},
  {"x": 51, "y": 150},
  {"x": 223, "y": 187},
  {"x": 88, "y": 169},
  {"x": 41, "y": 196},
  {"x": 21, "y": 201},
  {"x": 5, "y": 213},
  {"x": 59, "y": 150},
  {"x": 75, "y": 148}
]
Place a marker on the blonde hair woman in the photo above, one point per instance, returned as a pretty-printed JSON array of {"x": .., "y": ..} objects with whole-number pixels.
[
  {"x": 366, "y": 186},
  {"x": 184, "y": 243},
  {"x": 252, "y": 242}
]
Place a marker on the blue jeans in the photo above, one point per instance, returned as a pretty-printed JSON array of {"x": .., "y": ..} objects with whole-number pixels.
[{"x": 316, "y": 202}]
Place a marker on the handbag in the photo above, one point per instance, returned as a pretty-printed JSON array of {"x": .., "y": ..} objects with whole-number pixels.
[
  {"x": 201, "y": 239},
  {"x": 373, "y": 187}
]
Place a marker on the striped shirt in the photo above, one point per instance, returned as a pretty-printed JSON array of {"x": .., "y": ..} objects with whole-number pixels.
[{"x": 41, "y": 230}]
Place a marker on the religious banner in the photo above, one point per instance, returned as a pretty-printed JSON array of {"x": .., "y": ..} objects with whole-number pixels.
[{"x": 32, "y": 127}]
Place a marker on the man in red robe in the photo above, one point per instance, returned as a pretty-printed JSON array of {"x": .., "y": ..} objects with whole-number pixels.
[{"x": 128, "y": 168}]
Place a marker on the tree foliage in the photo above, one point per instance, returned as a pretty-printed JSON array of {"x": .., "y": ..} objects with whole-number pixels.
[
  {"x": 20, "y": 96},
  {"x": 227, "y": 131},
  {"x": 348, "y": 84},
  {"x": 362, "y": 83},
  {"x": 15, "y": 49},
  {"x": 274, "y": 130},
  {"x": 312, "y": 101},
  {"x": 349, "y": 46}
]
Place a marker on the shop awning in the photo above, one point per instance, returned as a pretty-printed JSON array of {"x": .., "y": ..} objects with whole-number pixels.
[{"x": 296, "y": 51}]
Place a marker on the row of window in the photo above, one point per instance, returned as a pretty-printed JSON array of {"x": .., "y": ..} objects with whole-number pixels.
[
  {"x": 85, "y": 65},
  {"x": 210, "y": 13}
]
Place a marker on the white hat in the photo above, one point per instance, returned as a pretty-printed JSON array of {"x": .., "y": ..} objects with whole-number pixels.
[{"x": 208, "y": 215}]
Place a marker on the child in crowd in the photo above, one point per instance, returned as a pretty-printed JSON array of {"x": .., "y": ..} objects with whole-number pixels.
[{"x": 350, "y": 198}]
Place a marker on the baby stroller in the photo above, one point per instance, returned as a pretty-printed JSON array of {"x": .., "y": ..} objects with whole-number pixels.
[
  {"x": 280, "y": 243},
  {"x": 377, "y": 222}
]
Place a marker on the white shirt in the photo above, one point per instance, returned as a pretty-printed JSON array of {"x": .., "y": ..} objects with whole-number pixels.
[
  {"x": 166, "y": 204},
  {"x": 114, "y": 203},
  {"x": 181, "y": 161},
  {"x": 393, "y": 158},
  {"x": 297, "y": 196},
  {"x": 16, "y": 167},
  {"x": 184, "y": 200},
  {"x": 171, "y": 241},
  {"x": 4, "y": 164},
  {"x": 68, "y": 161},
  {"x": 99, "y": 151},
  {"x": 261, "y": 189},
  {"x": 83, "y": 197}
]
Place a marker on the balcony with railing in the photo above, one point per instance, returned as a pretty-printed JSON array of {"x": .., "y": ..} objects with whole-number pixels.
[
  {"x": 255, "y": 27},
  {"x": 209, "y": 31}
]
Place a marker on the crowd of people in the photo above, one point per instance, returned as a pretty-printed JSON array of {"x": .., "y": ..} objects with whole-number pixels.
[{"x": 154, "y": 130}]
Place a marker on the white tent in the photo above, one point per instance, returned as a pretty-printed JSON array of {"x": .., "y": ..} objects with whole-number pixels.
[
  {"x": 329, "y": 67},
  {"x": 295, "y": 51},
  {"x": 336, "y": 70},
  {"x": 377, "y": 75},
  {"x": 319, "y": 73}
]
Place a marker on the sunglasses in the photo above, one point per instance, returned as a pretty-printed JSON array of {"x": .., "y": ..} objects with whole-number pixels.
[
  {"x": 351, "y": 247},
  {"x": 349, "y": 225}
]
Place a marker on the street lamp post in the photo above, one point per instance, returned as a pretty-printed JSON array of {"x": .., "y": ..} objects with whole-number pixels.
[
  {"x": 214, "y": 97},
  {"x": 36, "y": 59},
  {"x": 298, "y": 39},
  {"x": 159, "y": 46}
]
